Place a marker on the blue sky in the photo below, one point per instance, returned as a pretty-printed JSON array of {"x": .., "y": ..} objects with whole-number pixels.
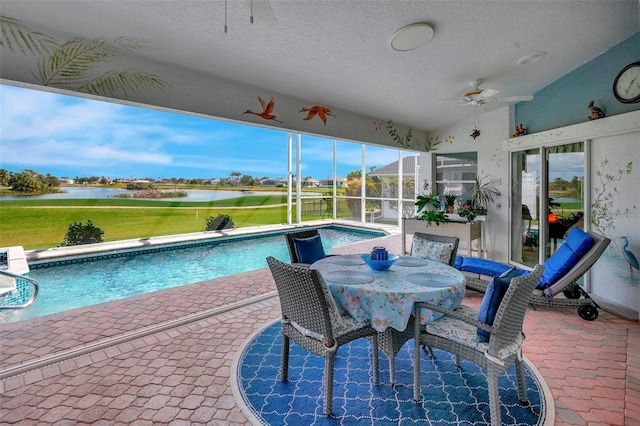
[{"x": 67, "y": 136}]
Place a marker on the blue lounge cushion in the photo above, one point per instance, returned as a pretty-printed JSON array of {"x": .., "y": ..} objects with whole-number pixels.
[
  {"x": 484, "y": 266},
  {"x": 579, "y": 241},
  {"x": 576, "y": 245},
  {"x": 309, "y": 250},
  {"x": 496, "y": 290}
]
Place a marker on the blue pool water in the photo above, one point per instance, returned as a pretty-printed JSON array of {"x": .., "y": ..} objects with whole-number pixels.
[{"x": 84, "y": 283}]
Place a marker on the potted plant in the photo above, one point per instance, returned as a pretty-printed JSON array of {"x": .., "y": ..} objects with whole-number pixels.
[
  {"x": 429, "y": 206},
  {"x": 450, "y": 200},
  {"x": 483, "y": 193}
]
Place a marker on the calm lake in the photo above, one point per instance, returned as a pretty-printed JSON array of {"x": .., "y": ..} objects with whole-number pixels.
[{"x": 192, "y": 194}]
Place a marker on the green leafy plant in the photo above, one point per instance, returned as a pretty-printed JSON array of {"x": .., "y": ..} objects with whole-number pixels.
[
  {"x": 483, "y": 194},
  {"x": 428, "y": 205},
  {"x": 450, "y": 199},
  {"x": 429, "y": 201},
  {"x": 79, "y": 234},
  {"x": 221, "y": 221}
]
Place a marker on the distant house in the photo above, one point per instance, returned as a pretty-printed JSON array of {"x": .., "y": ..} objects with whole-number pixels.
[
  {"x": 66, "y": 181},
  {"x": 309, "y": 182},
  {"x": 390, "y": 171},
  {"x": 387, "y": 176},
  {"x": 340, "y": 182},
  {"x": 280, "y": 182}
]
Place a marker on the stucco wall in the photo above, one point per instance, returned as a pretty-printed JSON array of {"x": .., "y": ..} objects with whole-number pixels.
[
  {"x": 493, "y": 162},
  {"x": 564, "y": 102}
]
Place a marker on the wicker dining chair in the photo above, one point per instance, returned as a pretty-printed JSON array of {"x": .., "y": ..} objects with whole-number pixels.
[
  {"x": 441, "y": 248},
  {"x": 291, "y": 244},
  {"x": 457, "y": 333},
  {"x": 310, "y": 318}
]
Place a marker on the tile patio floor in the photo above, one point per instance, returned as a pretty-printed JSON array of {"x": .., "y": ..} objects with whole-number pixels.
[{"x": 165, "y": 358}]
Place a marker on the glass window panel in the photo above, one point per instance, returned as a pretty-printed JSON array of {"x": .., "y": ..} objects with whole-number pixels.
[
  {"x": 348, "y": 170},
  {"x": 456, "y": 173}
]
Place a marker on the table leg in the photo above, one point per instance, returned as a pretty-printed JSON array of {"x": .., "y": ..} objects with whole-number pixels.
[{"x": 391, "y": 341}]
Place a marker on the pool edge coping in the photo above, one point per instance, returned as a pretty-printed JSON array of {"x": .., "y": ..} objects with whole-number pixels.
[{"x": 43, "y": 255}]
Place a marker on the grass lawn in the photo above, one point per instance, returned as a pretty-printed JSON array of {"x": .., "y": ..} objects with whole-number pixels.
[
  {"x": 36, "y": 224},
  {"x": 39, "y": 224}
]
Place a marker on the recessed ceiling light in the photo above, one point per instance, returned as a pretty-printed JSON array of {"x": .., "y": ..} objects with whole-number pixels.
[
  {"x": 412, "y": 36},
  {"x": 531, "y": 58}
]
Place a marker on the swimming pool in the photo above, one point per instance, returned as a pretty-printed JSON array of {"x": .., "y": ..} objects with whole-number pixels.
[{"x": 82, "y": 281}]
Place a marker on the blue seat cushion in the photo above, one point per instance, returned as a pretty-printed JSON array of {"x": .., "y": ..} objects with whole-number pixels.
[
  {"x": 309, "y": 250},
  {"x": 576, "y": 245},
  {"x": 483, "y": 266},
  {"x": 496, "y": 290}
]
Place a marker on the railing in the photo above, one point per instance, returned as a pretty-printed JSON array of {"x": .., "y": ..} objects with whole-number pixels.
[{"x": 24, "y": 293}]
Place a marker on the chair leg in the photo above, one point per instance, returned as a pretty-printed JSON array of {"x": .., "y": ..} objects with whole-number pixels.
[
  {"x": 376, "y": 361},
  {"x": 417, "y": 396},
  {"x": 428, "y": 349},
  {"x": 328, "y": 383},
  {"x": 392, "y": 370},
  {"x": 284, "y": 362},
  {"x": 522, "y": 385},
  {"x": 494, "y": 397}
]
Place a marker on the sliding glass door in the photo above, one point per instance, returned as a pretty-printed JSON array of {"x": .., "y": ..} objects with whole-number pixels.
[
  {"x": 525, "y": 207},
  {"x": 547, "y": 200}
]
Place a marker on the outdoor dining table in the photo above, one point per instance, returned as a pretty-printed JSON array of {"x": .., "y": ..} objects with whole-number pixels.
[{"x": 387, "y": 298}]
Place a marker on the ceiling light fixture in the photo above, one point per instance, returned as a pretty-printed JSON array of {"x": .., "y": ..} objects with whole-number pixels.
[
  {"x": 412, "y": 36},
  {"x": 531, "y": 58}
]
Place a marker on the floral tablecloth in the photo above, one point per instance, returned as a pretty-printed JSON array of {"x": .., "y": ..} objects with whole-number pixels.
[{"x": 386, "y": 298}]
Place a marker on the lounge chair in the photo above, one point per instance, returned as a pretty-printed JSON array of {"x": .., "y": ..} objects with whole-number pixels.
[{"x": 480, "y": 271}]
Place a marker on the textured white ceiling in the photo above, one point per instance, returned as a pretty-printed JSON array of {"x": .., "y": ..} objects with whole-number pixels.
[{"x": 337, "y": 53}]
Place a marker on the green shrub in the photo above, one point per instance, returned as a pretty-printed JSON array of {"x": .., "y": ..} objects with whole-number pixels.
[
  {"x": 78, "y": 234},
  {"x": 222, "y": 221}
]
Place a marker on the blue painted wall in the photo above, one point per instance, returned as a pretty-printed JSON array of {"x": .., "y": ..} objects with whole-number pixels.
[{"x": 564, "y": 102}]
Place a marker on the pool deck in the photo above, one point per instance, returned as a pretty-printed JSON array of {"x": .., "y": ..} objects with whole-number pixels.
[{"x": 166, "y": 357}]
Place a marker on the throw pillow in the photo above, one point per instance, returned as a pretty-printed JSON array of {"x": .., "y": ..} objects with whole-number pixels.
[
  {"x": 439, "y": 252},
  {"x": 496, "y": 290},
  {"x": 309, "y": 250}
]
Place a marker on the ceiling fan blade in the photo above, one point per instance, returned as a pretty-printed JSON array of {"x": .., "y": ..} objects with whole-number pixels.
[
  {"x": 514, "y": 98},
  {"x": 488, "y": 93}
]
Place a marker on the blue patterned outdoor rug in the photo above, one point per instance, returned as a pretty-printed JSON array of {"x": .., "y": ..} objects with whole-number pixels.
[{"x": 451, "y": 396}]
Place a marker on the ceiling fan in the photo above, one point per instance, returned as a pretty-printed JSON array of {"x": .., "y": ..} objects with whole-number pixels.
[{"x": 477, "y": 96}]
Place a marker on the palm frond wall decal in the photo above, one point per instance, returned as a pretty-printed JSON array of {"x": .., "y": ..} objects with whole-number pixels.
[
  {"x": 14, "y": 35},
  {"x": 79, "y": 63}
]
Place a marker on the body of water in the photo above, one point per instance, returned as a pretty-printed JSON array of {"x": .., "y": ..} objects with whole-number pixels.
[
  {"x": 75, "y": 283},
  {"x": 92, "y": 193}
]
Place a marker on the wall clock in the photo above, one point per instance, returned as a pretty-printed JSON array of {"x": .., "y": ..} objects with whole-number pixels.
[{"x": 626, "y": 86}]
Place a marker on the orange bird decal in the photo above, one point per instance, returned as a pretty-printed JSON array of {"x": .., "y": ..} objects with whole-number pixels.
[
  {"x": 267, "y": 109},
  {"x": 318, "y": 110}
]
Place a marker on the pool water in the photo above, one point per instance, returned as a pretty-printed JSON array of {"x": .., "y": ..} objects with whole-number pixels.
[{"x": 73, "y": 285}]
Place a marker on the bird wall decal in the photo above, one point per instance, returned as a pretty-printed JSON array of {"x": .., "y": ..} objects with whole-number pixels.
[
  {"x": 629, "y": 256},
  {"x": 267, "y": 110},
  {"x": 318, "y": 110}
]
